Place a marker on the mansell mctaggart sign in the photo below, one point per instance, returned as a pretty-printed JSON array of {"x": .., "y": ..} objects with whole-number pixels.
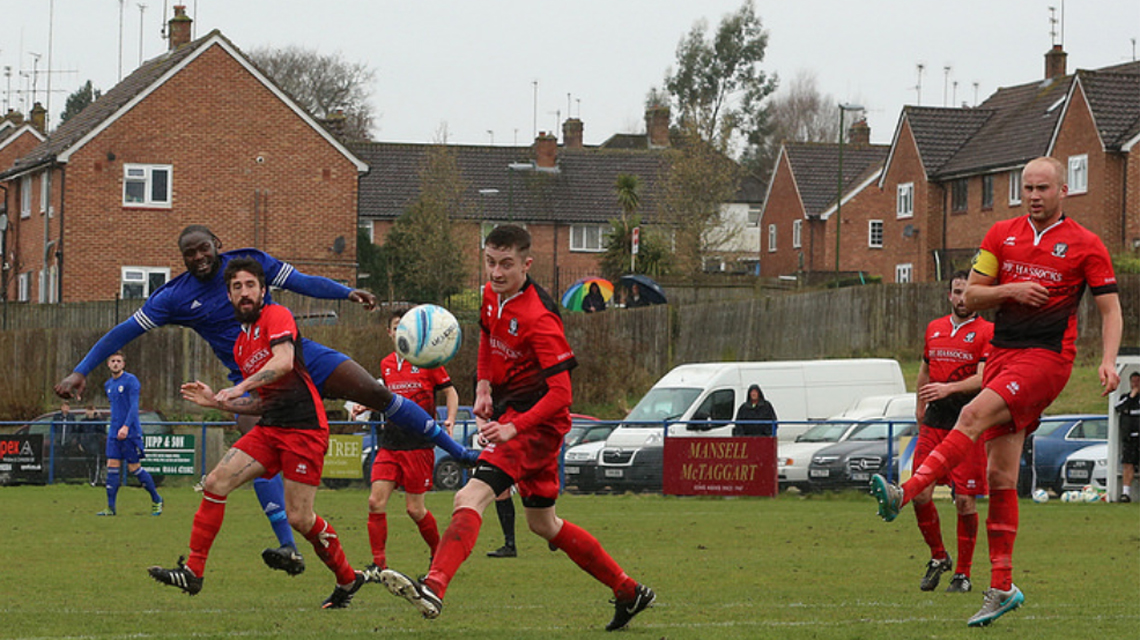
[{"x": 720, "y": 466}]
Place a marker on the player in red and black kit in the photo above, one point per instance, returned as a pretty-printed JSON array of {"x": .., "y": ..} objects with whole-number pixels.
[
  {"x": 405, "y": 459},
  {"x": 522, "y": 404},
  {"x": 290, "y": 438},
  {"x": 949, "y": 377},
  {"x": 1034, "y": 268}
]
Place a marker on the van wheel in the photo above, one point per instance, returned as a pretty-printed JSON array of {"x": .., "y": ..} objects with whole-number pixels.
[{"x": 448, "y": 475}]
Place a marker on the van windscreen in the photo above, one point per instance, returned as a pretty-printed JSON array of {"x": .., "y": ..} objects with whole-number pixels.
[{"x": 661, "y": 404}]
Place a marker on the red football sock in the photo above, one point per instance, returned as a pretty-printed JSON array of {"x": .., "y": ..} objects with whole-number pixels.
[
  {"x": 327, "y": 545},
  {"x": 586, "y": 552},
  {"x": 207, "y": 522},
  {"x": 931, "y": 527},
  {"x": 1001, "y": 530},
  {"x": 938, "y": 463},
  {"x": 967, "y": 540},
  {"x": 378, "y": 537},
  {"x": 454, "y": 547},
  {"x": 429, "y": 531}
]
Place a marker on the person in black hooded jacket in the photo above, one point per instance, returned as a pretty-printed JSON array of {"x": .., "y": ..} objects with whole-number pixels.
[{"x": 755, "y": 408}]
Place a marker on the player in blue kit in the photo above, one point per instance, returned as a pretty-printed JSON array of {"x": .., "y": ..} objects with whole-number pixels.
[
  {"x": 197, "y": 299},
  {"x": 125, "y": 440}
]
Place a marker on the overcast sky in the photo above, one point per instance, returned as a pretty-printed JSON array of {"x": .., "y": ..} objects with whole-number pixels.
[{"x": 472, "y": 65}]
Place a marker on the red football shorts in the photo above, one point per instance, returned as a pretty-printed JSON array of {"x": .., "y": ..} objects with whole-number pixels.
[
  {"x": 530, "y": 458},
  {"x": 1029, "y": 380},
  {"x": 411, "y": 469},
  {"x": 298, "y": 454},
  {"x": 969, "y": 477}
]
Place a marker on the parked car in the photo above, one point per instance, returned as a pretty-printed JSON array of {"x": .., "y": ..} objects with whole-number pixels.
[
  {"x": 1088, "y": 465},
  {"x": 585, "y": 441},
  {"x": 794, "y": 458},
  {"x": 1047, "y": 448},
  {"x": 851, "y": 463},
  {"x": 80, "y": 446},
  {"x": 448, "y": 474}
]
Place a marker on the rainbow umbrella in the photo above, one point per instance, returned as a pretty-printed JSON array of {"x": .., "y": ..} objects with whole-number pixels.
[{"x": 572, "y": 299}]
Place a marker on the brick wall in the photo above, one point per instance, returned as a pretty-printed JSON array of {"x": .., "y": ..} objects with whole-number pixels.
[
  {"x": 1099, "y": 209},
  {"x": 782, "y": 208}
]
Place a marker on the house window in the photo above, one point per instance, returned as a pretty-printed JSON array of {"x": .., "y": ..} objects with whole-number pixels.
[
  {"x": 903, "y": 272},
  {"x": 146, "y": 185},
  {"x": 1078, "y": 174},
  {"x": 904, "y": 204},
  {"x": 25, "y": 287},
  {"x": 369, "y": 227},
  {"x": 771, "y": 237},
  {"x": 26, "y": 197},
  {"x": 713, "y": 264},
  {"x": 587, "y": 237},
  {"x": 797, "y": 233},
  {"x": 959, "y": 195},
  {"x": 1015, "y": 186},
  {"x": 875, "y": 234},
  {"x": 49, "y": 285},
  {"x": 754, "y": 216},
  {"x": 45, "y": 192},
  {"x": 140, "y": 282},
  {"x": 988, "y": 191}
]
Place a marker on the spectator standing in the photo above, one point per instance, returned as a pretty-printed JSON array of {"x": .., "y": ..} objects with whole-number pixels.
[
  {"x": 756, "y": 410},
  {"x": 1128, "y": 406}
]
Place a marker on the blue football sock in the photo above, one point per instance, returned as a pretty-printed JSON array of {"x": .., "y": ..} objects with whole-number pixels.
[
  {"x": 148, "y": 483},
  {"x": 412, "y": 418},
  {"x": 113, "y": 480},
  {"x": 271, "y": 494}
]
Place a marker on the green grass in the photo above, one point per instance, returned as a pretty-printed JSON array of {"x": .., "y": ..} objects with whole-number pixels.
[{"x": 817, "y": 567}]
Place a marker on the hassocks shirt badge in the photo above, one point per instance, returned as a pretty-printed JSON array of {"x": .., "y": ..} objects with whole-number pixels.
[
  {"x": 970, "y": 336},
  {"x": 513, "y": 327},
  {"x": 1060, "y": 249}
]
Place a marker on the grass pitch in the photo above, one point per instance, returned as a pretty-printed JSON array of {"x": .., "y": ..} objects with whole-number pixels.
[{"x": 792, "y": 567}]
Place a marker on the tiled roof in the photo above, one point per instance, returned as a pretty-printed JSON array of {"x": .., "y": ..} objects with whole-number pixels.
[
  {"x": 815, "y": 166},
  {"x": 580, "y": 190},
  {"x": 1114, "y": 95},
  {"x": 117, "y": 97},
  {"x": 940, "y": 132}
]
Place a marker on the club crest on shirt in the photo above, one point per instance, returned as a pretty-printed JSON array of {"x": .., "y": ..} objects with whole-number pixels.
[
  {"x": 970, "y": 336},
  {"x": 120, "y": 388},
  {"x": 513, "y": 327},
  {"x": 256, "y": 333},
  {"x": 1060, "y": 249}
]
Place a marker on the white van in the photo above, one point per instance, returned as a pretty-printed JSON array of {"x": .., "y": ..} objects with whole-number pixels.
[{"x": 799, "y": 390}]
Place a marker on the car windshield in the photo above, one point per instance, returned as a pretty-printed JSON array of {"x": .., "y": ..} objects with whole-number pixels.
[
  {"x": 828, "y": 432},
  {"x": 877, "y": 431},
  {"x": 1048, "y": 427},
  {"x": 662, "y": 404},
  {"x": 574, "y": 436}
]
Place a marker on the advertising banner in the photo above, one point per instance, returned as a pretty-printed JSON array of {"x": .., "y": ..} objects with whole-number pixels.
[
  {"x": 22, "y": 456},
  {"x": 169, "y": 455},
  {"x": 720, "y": 466},
  {"x": 343, "y": 459}
]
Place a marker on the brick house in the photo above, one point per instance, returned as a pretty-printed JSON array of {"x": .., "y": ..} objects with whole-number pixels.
[
  {"x": 950, "y": 173},
  {"x": 196, "y": 135},
  {"x": 564, "y": 195}
]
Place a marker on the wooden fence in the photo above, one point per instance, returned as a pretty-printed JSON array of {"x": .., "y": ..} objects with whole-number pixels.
[{"x": 621, "y": 352}]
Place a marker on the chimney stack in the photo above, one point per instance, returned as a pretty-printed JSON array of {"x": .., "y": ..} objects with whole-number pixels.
[
  {"x": 657, "y": 126},
  {"x": 1055, "y": 62},
  {"x": 572, "y": 133},
  {"x": 859, "y": 134},
  {"x": 39, "y": 117},
  {"x": 179, "y": 33},
  {"x": 545, "y": 150},
  {"x": 13, "y": 116}
]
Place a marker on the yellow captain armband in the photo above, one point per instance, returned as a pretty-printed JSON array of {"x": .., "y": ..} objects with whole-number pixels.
[{"x": 986, "y": 263}]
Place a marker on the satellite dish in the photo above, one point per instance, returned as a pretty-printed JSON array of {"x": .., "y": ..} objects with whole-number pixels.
[
  {"x": 338, "y": 245},
  {"x": 910, "y": 231}
]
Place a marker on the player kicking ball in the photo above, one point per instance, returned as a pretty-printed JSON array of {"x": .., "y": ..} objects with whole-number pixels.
[
  {"x": 290, "y": 438},
  {"x": 522, "y": 406}
]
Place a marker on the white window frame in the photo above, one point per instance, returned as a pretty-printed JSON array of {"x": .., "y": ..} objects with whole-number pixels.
[
  {"x": 904, "y": 272},
  {"x": 875, "y": 231},
  {"x": 797, "y": 233},
  {"x": 771, "y": 238},
  {"x": 588, "y": 238},
  {"x": 24, "y": 287},
  {"x": 26, "y": 197},
  {"x": 1078, "y": 174},
  {"x": 144, "y": 173},
  {"x": 904, "y": 201},
  {"x": 1015, "y": 187},
  {"x": 45, "y": 193},
  {"x": 140, "y": 275},
  {"x": 754, "y": 216},
  {"x": 369, "y": 227}
]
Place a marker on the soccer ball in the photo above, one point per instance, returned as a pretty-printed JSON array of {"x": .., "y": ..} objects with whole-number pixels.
[
  {"x": 428, "y": 336},
  {"x": 1071, "y": 496},
  {"x": 1040, "y": 496},
  {"x": 1089, "y": 493}
]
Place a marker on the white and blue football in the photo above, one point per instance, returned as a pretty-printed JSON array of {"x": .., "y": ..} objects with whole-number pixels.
[{"x": 428, "y": 336}]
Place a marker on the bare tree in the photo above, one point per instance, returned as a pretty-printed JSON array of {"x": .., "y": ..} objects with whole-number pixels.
[
  {"x": 798, "y": 112},
  {"x": 327, "y": 85}
]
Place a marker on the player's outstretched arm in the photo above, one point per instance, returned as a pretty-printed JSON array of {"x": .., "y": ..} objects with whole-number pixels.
[
  {"x": 1112, "y": 325},
  {"x": 202, "y": 395},
  {"x": 326, "y": 288},
  {"x": 76, "y": 382}
]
